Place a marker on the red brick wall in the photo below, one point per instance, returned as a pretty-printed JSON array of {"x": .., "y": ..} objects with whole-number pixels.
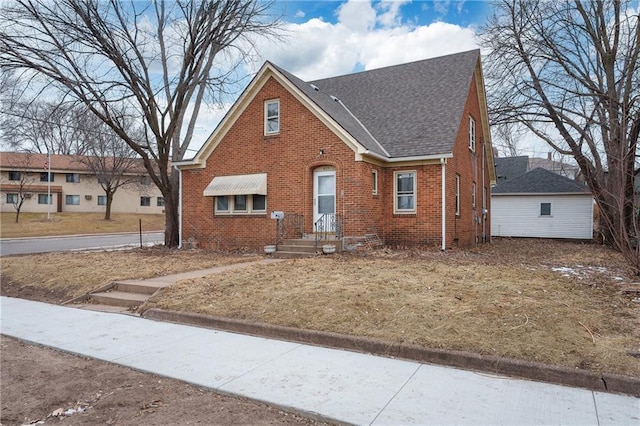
[{"x": 289, "y": 160}]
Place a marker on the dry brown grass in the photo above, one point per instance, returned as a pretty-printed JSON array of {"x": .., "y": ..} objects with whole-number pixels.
[
  {"x": 37, "y": 225},
  {"x": 505, "y": 300},
  {"x": 74, "y": 274}
]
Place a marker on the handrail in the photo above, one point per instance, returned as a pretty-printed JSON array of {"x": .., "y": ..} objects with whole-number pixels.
[
  {"x": 329, "y": 223},
  {"x": 290, "y": 226}
]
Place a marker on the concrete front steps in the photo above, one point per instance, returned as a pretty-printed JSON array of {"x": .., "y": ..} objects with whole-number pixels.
[
  {"x": 302, "y": 247},
  {"x": 122, "y": 296}
]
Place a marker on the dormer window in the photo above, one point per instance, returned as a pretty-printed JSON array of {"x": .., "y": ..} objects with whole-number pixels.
[{"x": 272, "y": 117}]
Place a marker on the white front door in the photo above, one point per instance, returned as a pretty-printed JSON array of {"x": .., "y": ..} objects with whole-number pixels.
[{"x": 324, "y": 199}]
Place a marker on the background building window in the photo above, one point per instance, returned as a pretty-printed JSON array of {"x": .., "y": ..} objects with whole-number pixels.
[
  {"x": 72, "y": 200},
  {"x": 405, "y": 192},
  {"x": 272, "y": 117},
  {"x": 12, "y": 198},
  {"x": 102, "y": 200},
  {"x": 42, "y": 199},
  {"x": 145, "y": 201},
  {"x": 73, "y": 177},
  {"x": 160, "y": 202},
  {"x": 43, "y": 177},
  {"x": 14, "y": 175},
  {"x": 545, "y": 209}
]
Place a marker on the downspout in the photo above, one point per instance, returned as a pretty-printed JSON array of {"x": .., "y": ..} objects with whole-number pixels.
[
  {"x": 443, "y": 162},
  {"x": 179, "y": 207},
  {"x": 484, "y": 196}
]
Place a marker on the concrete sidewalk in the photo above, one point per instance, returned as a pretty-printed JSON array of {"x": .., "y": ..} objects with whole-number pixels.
[{"x": 337, "y": 385}]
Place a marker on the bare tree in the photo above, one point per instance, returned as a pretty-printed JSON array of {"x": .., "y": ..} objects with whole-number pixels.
[
  {"x": 22, "y": 180},
  {"x": 508, "y": 138},
  {"x": 156, "y": 59},
  {"x": 43, "y": 127},
  {"x": 569, "y": 72},
  {"x": 113, "y": 162}
]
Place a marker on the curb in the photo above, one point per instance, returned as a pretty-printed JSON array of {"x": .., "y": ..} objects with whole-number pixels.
[{"x": 604, "y": 382}]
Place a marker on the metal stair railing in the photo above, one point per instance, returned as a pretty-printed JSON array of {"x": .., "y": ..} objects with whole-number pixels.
[
  {"x": 290, "y": 226},
  {"x": 328, "y": 224}
]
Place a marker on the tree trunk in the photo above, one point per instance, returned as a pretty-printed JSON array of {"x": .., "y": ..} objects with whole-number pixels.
[
  {"x": 172, "y": 216},
  {"x": 107, "y": 212}
]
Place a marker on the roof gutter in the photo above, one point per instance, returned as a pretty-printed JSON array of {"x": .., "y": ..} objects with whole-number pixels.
[{"x": 404, "y": 159}]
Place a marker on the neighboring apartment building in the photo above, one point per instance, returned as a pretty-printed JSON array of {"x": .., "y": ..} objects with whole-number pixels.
[{"x": 74, "y": 187}]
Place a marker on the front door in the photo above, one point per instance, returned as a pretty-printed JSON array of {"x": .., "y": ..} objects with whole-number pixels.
[{"x": 324, "y": 200}]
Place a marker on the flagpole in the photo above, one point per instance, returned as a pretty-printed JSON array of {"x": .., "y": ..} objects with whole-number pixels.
[{"x": 49, "y": 185}]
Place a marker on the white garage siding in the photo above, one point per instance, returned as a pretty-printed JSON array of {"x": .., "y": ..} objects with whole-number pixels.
[{"x": 519, "y": 216}]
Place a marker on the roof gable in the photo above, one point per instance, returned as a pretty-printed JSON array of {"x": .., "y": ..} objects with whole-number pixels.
[
  {"x": 508, "y": 168},
  {"x": 540, "y": 181}
]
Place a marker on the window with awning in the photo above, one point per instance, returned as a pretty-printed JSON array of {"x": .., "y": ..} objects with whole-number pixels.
[{"x": 238, "y": 194}]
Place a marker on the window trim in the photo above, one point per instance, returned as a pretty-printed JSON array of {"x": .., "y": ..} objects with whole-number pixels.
[
  {"x": 147, "y": 201},
  {"x": 414, "y": 193},
  {"x": 267, "y": 132},
  {"x": 231, "y": 210},
  {"x": 472, "y": 134},
  {"x": 160, "y": 201},
  {"x": 374, "y": 177},
  {"x": 11, "y": 174},
  {"x": 101, "y": 197}
]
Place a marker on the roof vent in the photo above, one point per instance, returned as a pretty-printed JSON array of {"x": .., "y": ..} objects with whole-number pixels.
[
  {"x": 314, "y": 87},
  {"x": 334, "y": 98}
]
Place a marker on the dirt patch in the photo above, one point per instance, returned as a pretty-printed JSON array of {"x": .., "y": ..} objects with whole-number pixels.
[{"x": 40, "y": 384}]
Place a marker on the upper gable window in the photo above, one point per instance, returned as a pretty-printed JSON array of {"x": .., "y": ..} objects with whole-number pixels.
[
  {"x": 272, "y": 117},
  {"x": 472, "y": 134}
]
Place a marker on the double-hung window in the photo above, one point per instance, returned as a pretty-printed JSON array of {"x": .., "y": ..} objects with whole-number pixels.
[
  {"x": 72, "y": 200},
  {"x": 404, "y": 192},
  {"x": 374, "y": 177},
  {"x": 457, "y": 195},
  {"x": 47, "y": 177},
  {"x": 73, "y": 177},
  {"x": 12, "y": 198},
  {"x": 272, "y": 117},
  {"x": 13, "y": 175}
]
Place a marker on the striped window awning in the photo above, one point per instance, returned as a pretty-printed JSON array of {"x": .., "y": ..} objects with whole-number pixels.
[{"x": 237, "y": 185}]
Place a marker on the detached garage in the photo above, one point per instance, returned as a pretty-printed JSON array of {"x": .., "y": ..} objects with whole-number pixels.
[{"x": 542, "y": 204}]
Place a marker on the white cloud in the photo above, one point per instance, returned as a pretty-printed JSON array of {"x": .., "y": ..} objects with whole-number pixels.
[
  {"x": 299, "y": 14},
  {"x": 318, "y": 49}
]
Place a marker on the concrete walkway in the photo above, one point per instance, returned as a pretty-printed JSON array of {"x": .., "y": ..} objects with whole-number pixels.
[{"x": 339, "y": 385}]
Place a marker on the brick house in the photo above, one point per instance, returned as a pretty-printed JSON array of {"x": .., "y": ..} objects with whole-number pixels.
[{"x": 401, "y": 155}]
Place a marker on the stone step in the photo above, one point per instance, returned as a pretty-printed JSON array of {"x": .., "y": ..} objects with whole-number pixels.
[
  {"x": 292, "y": 255},
  {"x": 295, "y": 248},
  {"x": 138, "y": 287},
  {"x": 119, "y": 298}
]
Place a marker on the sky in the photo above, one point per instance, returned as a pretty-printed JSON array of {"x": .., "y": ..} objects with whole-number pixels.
[{"x": 330, "y": 38}]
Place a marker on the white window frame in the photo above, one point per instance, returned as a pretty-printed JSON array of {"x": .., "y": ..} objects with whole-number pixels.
[
  {"x": 414, "y": 193},
  {"x": 472, "y": 134},
  {"x": 231, "y": 202},
  {"x": 267, "y": 117},
  {"x": 457, "y": 196},
  {"x": 374, "y": 177}
]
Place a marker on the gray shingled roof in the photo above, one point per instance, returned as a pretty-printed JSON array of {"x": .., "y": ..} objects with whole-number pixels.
[
  {"x": 540, "y": 181},
  {"x": 510, "y": 167},
  {"x": 407, "y": 110}
]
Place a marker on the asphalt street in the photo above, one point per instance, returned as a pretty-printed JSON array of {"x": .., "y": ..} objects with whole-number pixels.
[{"x": 72, "y": 243}]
